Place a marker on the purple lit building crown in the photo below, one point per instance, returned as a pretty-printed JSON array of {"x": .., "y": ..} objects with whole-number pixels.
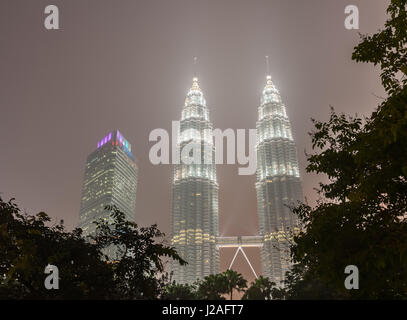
[{"x": 116, "y": 139}]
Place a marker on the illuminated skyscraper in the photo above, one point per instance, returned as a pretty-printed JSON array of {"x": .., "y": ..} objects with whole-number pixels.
[
  {"x": 110, "y": 179},
  {"x": 278, "y": 183},
  {"x": 195, "y": 194}
]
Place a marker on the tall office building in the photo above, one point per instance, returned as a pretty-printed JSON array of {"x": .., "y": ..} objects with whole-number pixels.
[
  {"x": 278, "y": 183},
  {"x": 195, "y": 194},
  {"x": 110, "y": 179}
]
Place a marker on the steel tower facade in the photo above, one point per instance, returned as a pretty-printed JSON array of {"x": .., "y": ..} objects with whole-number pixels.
[
  {"x": 195, "y": 194},
  {"x": 278, "y": 183},
  {"x": 110, "y": 179}
]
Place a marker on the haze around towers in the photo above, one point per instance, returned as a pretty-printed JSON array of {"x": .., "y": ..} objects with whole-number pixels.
[{"x": 128, "y": 66}]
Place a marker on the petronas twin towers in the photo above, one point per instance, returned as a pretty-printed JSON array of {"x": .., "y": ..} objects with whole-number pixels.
[
  {"x": 278, "y": 183},
  {"x": 195, "y": 196},
  {"x": 195, "y": 213}
]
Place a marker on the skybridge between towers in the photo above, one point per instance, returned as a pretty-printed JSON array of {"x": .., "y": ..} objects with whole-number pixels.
[{"x": 240, "y": 242}]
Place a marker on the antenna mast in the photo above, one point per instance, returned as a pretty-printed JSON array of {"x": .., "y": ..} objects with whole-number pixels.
[
  {"x": 267, "y": 66},
  {"x": 195, "y": 62}
]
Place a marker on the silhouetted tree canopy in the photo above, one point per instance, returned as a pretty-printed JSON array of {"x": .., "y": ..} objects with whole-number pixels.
[
  {"x": 28, "y": 244},
  {"x": 261, "y": 289},
  {"x": 176, "y": 291},
  {"x": 360, "y": 218},
  {"x": 139, "y": 271},
  {"x": 212, "y": 287}
]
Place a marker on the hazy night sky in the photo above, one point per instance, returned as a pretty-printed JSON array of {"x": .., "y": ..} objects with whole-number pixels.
[{"x": 128, "y": 65}]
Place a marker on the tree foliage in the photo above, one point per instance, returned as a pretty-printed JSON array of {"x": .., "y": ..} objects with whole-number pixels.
[
  {"x": 388, "y": 49},
  {"x": 138, "y": 268},
  {"x": 261, "y": 289},
  {"x": 234, "y": 282},
  {"x": 176, "y": 291},
  {"x": 361, "y": 217},
  {"x": 28, "y": 244},
  {"x": 212, "y": 287}
]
